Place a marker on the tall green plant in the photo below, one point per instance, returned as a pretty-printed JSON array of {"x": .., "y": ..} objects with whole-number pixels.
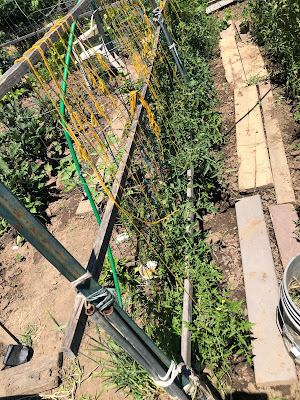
[
  {"x": 29, "y": 146},
  {"x": 276, "y": 25},
  {"x": 219, "y": 329}
]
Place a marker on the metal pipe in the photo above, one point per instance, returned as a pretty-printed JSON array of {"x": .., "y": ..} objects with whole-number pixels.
[
  {"x": 33, "y": 231},
  {"x": 118, "y": 338},
  {"x": 172, "y": 47},
  {"x": 36, "y": 234},
  {"x": 135, "y": 341},
  {"x": 152, "y": 346}
]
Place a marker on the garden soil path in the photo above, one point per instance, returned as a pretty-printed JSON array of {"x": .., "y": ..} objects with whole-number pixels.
[{"x": 223, "y": 226}]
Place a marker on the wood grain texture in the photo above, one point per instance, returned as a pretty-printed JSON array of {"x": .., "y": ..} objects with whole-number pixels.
[
  {"x": 34, "y": 377},
  {"x": 254, "y": 164},
  {"x": 281, "y": 173},
  {"x": 253, "y": 63},
  {"x": 217, "y": 5},
  {"x": 272, "y": 364},
  {"x": 232, "y": 63},
  {"x": 11, "y": 77},
  {"x": 245, "y": 142}
]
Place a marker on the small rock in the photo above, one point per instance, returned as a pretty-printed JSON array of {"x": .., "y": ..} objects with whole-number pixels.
[
  {"x": 246, "y": 312},
  {"x": 251, "y": 387},
  {"x": 15, "y": 248}
]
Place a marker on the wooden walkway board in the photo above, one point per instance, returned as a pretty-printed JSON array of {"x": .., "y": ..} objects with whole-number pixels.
[
  {"x": 281, "y": 173},
  {"x": 31, "y": 378},
  {"x": 234, "y": 71},
  {"x": 217, "y": 5},
  {"x": 252, "y": 61},
  {"x": 284, "y": 218},
  {"x": 254, "y": 169},
  {"x": 272, "y": 364}
]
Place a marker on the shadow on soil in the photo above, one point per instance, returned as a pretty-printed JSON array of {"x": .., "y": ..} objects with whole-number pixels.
[
  {"x": 25, "y": 397},
  {"x": 246, "y": 396}
]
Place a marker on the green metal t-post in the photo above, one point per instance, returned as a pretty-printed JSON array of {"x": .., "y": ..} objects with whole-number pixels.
[{"x": 74, "y": 156}]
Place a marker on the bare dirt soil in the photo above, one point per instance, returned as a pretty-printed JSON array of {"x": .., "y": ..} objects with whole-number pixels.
[{"x": 30, "y": 286}]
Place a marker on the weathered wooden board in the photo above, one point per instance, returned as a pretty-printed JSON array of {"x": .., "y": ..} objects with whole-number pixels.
[
  {"x": 232, "y": 63},
  {"x": 217, "y": 5},
  {"x": 245, "y": 142},
  {"x": 254, "y": 168},
  {"x": 187, "y": 313},
  {"x": 281, "y": 173},
  {"x": 186, "y": 349},
  {"x": 272, "y": 364},
  {"x": 33, "y": 377},
  {"x": 284, "y": 218},
  {"x": 253, "y": 63}
]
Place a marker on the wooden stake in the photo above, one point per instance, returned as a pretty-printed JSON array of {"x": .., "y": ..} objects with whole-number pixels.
[{"x": 186, "y": 352}]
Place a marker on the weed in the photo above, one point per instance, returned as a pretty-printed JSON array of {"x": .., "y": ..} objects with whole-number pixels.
[
  {"x": 19, "y": 257},
  {"x": 224, "y": 23},
  {"x": 73, "y": 376},
  {"x": 276, "y": 25},
  {"x": 278, "y": 99},
  {"x": 121, "y": 371},
  {"x": 26, "y": 337},
  {"x": 254, "y": 80}
]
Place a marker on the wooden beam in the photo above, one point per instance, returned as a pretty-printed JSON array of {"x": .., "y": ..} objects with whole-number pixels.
[
  {"x": 11, "y": 77},
  {"x": 216, "y": 5},
  {"x": 272, "y": 364},
  {"x": 187, "y": 313},
  {"x": 280, "y": 169},
  {"x": 33, "y": 377},
  {"x": 77, "y": 321}
]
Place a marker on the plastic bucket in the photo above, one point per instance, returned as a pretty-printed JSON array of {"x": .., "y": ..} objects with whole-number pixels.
[{"x": 288, "y": 312}]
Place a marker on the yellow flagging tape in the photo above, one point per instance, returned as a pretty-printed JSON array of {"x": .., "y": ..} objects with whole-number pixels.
[{"x": 154, "y": 126}]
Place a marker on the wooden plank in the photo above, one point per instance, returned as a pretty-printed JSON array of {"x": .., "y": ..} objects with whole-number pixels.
[
  {"x": 11, "y": 77},
  {"x": 254, "y": 169},
  {"x": 284, "y": 218},
  {"x": 263, "y": 173},
  {"x": 77, "y": 321},
  {"x": 34, "y": 377},
  {"x": 281, "y": 173},
  {"x": 253, "y": 63},
  {"x": 245, "y": 142},
  {"x": 75, "y": 329},
  {"x": 186, "y": 347},
  {"x": 217, "y": 5},
  {"x": 233, "y": 66},
  {"x": 272, "y": 364}
]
